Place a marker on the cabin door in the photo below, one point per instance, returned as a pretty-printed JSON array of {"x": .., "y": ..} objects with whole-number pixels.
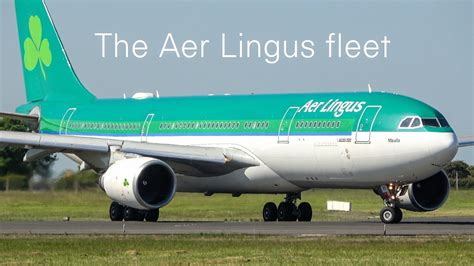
[
  {"x": 366, "y": 123},
  {"x": 285, "y": 125},
  {"x": 146, "y": 127},
  {"x": 65, "y": 121}
]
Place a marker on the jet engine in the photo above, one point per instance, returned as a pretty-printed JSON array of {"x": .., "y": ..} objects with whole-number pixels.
[
  {"x": 426, "y": 195},
  {"x": 142, "y": 183}
]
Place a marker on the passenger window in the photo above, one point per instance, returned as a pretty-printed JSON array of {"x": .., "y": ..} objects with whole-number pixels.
[
  {"x": 416, "y": 122},
  {"x": 406, "y": 122}
]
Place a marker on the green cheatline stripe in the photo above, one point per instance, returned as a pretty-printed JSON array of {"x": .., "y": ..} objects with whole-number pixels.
[{"x": 299, "y": 126}]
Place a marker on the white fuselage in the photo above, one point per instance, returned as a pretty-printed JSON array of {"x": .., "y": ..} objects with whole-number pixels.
[{"x": 311, "y": 161}]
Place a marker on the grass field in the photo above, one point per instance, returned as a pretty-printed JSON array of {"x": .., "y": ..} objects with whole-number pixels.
[
  {"x": 94, "y": 204},
  {"x": 236, "y": 249},
  {"x": 222, "y": 248}
]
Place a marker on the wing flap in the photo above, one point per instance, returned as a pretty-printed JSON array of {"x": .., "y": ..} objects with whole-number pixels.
[
  {"x": 177, "y": 152},
  {"x": 45, "y": 141}
]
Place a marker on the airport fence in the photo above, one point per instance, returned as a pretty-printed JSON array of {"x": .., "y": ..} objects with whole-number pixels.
[
  {"x": 69, "y": 180},
  {"x": 77, "y": 181},
  {"x": 13, "y": 182},
  {"x": 88, "y": 179},
  {"x": 462, "y": 182}
]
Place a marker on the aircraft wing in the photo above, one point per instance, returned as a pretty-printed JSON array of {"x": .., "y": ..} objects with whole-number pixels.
[
  {"x": 465, "y": 141},
  {"x": 184, "y": 159}
]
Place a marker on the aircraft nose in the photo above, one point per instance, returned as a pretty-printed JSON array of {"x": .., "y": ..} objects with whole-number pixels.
[{"x": 443, "y": 148}]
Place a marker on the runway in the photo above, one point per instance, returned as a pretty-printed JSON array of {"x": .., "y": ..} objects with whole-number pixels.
[{"x": 439, "y": 226}]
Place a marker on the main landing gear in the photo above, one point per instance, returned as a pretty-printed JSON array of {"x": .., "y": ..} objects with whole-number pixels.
[
  {"x": 390, "y": 214},
  {"x": 287, "y": 210},
  {"x": 119, "y": 212}
]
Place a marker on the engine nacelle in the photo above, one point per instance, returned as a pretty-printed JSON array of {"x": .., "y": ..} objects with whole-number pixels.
[
  {"x": 142, "y": 183},
  {"x": 426, "y": 195}
]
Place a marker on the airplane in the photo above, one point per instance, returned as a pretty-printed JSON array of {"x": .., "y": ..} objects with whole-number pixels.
[{"x": 147, "y": 148}]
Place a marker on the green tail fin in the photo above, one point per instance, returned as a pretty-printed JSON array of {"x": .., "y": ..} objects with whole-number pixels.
[{"x": 47, "y": 72}]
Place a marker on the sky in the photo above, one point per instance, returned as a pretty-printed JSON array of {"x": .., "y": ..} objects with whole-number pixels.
[{"x": 430, "y": 55}]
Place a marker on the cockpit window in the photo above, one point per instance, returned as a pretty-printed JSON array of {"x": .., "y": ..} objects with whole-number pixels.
[
  {"x": 410, "y": 122},
  {"x": 416, "y": 122},
  {"x": 443, "y": 122},
  {"x": 406, "y": 122},
  {"x": 430, "y": 122}
]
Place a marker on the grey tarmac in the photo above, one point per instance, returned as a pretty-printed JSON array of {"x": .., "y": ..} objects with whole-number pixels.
[{"x": 437, "y": 226}]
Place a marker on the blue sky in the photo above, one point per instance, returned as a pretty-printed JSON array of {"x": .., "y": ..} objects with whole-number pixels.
[{"x": 430, "y": 56}]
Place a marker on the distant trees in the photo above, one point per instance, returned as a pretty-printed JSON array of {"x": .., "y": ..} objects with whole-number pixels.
[
  {"x": 14, "y": 173},
  {"x": 11, "y": 158},
  {"x": 464, "y": 171},
  {"x": 459, "y": 167}
]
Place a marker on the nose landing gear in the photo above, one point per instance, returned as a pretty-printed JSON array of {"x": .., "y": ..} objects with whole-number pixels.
[
  {"x": 287, "y": 210},
  {"x": 390, "y": 214}
]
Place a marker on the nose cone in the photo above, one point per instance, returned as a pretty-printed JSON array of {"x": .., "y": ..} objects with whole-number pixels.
[{"x": 443, "y": 148}]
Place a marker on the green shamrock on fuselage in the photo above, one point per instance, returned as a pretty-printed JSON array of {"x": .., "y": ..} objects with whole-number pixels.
[
  {"x": 125, "y": 183},
  {"x": 36, "y": 49}
]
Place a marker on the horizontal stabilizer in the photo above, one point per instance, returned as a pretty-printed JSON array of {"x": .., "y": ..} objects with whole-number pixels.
[{"x": 465, "y": 141}]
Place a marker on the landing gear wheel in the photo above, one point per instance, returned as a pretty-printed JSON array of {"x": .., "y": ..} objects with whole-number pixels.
[
  {"x": 152, "y": 215},
  {"x": 130, "y": 214},
  {"x": 270, "y": 212},
  {"x": 305, "y": 212},
  {"x": 390, "y": 215},
  {"x": 398, "y": 215},
  {"x": 287, "y": 212},
  {"x": 116, "y": 211},
  {"x": 140, "y": 215}
]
